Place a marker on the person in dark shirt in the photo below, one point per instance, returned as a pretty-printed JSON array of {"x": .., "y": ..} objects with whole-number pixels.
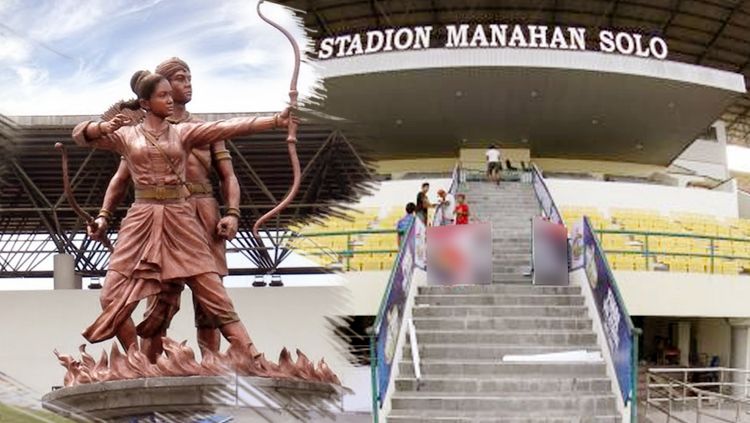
[{"x": 423, "y": 203}]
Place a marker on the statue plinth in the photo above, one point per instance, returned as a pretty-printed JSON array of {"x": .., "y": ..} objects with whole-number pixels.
[{"x": 191, "y": 397}]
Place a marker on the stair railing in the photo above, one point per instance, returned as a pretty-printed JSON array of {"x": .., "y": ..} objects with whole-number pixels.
[
  {"x": 677, "y": 399},
  {"x": 388, "y": 333},
  {"x": 621, "y": 336},
  {"x": 549, "y": 209}
]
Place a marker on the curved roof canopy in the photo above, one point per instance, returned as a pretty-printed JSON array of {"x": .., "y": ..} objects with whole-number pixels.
[{"x": 708, "y": 33}]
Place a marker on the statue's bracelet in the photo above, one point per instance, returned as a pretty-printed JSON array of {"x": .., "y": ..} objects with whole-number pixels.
[{"x": 232, "y": 211}]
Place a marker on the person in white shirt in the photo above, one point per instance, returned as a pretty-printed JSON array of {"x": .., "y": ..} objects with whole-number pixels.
[
  {"x": 493, "y": 163},
  {"x": 446, "y": 208}
]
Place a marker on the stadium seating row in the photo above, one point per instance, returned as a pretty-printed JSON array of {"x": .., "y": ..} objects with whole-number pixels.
[{"x": 684, "y": 226}]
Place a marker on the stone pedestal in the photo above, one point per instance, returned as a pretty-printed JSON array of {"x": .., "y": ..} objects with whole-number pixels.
[{"x": 200, "y": 397}]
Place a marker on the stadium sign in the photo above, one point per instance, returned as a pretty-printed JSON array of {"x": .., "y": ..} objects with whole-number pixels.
[{"x": 491, "y": 36}]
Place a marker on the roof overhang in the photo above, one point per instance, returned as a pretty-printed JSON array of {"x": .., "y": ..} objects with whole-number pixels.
[{"x": 571, "y": 104}]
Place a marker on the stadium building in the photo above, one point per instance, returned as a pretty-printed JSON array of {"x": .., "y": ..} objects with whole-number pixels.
[{"x": 620, "y": 111}]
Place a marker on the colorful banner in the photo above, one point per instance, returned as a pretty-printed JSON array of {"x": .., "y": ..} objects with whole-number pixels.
[
  {"x": 549, "y": 251},
  {"x": 612, "y": 313},
  {"x": 459, "y": 254},
  {"x": 393, "y": 313}
]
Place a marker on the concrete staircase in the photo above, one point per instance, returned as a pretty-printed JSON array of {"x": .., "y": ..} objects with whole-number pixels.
[{"x": 464, "y": 331}]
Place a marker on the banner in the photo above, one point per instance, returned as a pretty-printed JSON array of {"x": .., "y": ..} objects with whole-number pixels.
[
  {"x": 459, "y": 254},
  {"x": 390, "y": 324},
  {"x": 549, "y": 250},
  {"x": 611, "y": 310}
]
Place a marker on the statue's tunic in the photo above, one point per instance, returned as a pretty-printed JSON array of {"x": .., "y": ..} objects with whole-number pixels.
[{"x": 160, "y": 240}]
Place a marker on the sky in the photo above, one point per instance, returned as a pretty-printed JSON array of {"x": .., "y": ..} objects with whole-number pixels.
[{"x": 76, "y": 56}]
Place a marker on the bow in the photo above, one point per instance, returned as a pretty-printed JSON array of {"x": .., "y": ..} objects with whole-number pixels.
[
  {"x": 71, "y": 198},
  {"x": 291, "y": 138}
]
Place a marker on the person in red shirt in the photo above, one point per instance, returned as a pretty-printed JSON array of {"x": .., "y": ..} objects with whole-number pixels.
[{"x": 462, "y": 210}]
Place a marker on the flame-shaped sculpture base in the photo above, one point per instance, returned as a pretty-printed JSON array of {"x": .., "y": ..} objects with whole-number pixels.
[
  {"x": 122, "y": 385},
  {"x": 179, "y": 360}
]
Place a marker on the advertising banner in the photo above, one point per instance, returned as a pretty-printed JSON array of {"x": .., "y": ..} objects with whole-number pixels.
[
  {"x": 611, "y": 309},
  {"x": 459, "y": 254},
  {"x": 390, "y": 325},
  {"x": 549, "y": 249}
]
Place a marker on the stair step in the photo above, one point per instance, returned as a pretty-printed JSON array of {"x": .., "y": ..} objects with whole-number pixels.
[
  {"x": 569, "y": 339},
  {"x": 476, "y": 352},
  {"x": 546, "y": 300},
  {"x": 487, "y": 369},
  {"x": 530, "y": 386},
  {"x": 499, "y": 289},
  {"x": 501, "y": 323},
  {"x": 503, "y": 405},
  {"x": 442, "y": 417},
  {"x": 501, "y": 311}
]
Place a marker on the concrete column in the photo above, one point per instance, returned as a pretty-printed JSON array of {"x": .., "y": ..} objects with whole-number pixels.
[
  {"x": 740, "y": 351},
  {"x": 683, "y": 342},
  {"x": 64, "y": 272}
]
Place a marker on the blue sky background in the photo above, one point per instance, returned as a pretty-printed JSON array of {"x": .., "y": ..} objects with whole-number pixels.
[{"x": 77, "y": 56}]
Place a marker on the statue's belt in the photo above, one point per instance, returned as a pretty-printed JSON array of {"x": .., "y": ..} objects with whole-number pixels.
[
  {"x": 161, "y": 192},
  {"x": 172, "y": 192},
  {"x": 198, "y": 188}
]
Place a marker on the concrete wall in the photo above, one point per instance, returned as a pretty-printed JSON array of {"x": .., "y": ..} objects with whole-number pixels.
[
  {"x": 684, "y": 294},
  {"x": 474, "y": 158},
  {"x": 37, "y": 322},
  {"x": 397, "y": 168},
  {"x": 607, "y": 195},
  {"x": 596, "y": 166}
]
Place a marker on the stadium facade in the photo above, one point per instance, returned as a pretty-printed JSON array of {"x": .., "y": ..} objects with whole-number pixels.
[{"x": 627, "y": 107}]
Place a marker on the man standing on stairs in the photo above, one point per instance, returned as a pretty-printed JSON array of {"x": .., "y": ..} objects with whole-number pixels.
[
  {"x": 445, "y": 209},
  {"x": 423, "y": 203},
  {"x": 493, "y": 164}
]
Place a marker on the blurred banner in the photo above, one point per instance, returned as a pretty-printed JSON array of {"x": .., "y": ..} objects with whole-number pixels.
[
  {"x": 549, "y": 250},
  {"x": 459, "y": 254}
]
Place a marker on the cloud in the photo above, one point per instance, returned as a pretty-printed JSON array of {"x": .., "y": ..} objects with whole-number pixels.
[{"x": 77, "y": 57}]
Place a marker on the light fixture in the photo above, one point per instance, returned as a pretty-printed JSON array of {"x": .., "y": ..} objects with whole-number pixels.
[
  {"x": 399, "y": 122},
  {"x": 94, "y": 283},
  {"x": 259, "y": 281},
  {"x": 459, "y": 93},
  {"x": 594, "y": 121},
  {"x": 276, "y": 280},
  {"x": 534, "y": 94}
]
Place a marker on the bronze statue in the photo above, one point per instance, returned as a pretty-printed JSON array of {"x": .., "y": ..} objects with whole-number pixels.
[
  {"x": 200, "y": 164},
  {"x": 161, "y": 241}
]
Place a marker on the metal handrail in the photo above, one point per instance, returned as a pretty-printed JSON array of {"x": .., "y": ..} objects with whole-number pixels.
[
  {"x": 677, "y": 392},
  {"x": 646, "y": 252}
]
